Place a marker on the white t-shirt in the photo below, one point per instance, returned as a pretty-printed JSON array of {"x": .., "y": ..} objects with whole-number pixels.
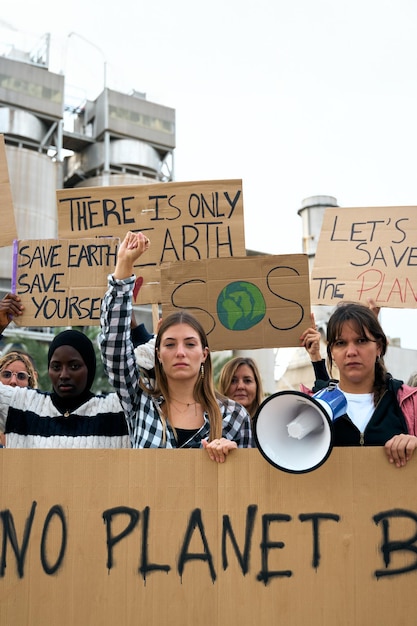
[{"x": 360, "y": 407}]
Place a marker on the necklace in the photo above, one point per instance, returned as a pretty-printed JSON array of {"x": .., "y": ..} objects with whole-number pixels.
[{"x": 187, "y": 405}]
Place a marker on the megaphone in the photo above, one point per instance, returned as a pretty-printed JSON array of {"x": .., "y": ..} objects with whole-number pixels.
[{"x": 294, "y": 431}]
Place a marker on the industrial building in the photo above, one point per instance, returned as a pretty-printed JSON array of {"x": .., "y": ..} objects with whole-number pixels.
[{"x": 56, "y": 140}]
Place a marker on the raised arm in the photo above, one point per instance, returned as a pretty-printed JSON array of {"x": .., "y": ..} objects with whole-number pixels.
[
  {"x": 116, "y": 345},
  {"x": 310, "y": 339}
]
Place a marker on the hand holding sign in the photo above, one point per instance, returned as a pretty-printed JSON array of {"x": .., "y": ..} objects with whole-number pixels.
[{"x": 10, "y": 307}]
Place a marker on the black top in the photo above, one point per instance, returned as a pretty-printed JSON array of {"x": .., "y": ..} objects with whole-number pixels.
[{"x": 386, "y": 421}]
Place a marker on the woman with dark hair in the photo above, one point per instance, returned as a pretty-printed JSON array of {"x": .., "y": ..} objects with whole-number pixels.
[
  {"x": 241, "y": 381},
  {"x": 72, "y": 416},
  {"x": 380, "y": 409},
  {"x": 180, "y": 409}
]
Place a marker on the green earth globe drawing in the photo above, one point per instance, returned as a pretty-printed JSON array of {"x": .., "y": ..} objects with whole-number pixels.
[{"x": 240, "y": 305}]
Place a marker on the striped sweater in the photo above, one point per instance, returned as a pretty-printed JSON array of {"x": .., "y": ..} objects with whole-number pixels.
[{"x": 30, "y": 420}]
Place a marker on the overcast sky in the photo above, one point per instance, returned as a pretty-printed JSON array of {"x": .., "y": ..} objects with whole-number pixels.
[{"x": 295, "y": 97}]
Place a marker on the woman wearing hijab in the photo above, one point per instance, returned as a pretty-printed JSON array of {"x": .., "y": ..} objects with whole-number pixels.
[{"x": 71, "y": 416}]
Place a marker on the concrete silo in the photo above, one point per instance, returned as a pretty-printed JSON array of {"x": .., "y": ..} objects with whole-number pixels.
[
  {"x": 31, "y": 105},
  {"x": 55, "y": 141}
]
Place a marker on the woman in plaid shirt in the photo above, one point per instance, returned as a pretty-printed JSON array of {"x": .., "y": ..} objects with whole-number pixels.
[{"x": 182, "y": 409}]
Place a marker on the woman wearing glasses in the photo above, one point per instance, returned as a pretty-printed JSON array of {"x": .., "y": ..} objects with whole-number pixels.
[{"x": 16, "y": 370}]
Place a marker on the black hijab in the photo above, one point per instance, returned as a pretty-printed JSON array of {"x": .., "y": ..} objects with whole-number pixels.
[{"x": 80, "y": 342}]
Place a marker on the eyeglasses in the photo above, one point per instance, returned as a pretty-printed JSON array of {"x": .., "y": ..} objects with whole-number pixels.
[{"x": 8, "y": 375}]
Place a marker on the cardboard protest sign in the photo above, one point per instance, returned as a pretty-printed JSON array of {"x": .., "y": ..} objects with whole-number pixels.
[
  {"x": 367, "y": 253},
  {"x": 104, "y": 537},
  {"x": 243, "y": 303},
  {"x": 8, "y": 232},
  {"x": 62, "y": 282},
  {"x": 184, "y": 221}
]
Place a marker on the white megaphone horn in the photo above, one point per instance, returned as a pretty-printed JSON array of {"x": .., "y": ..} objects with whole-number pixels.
[{"x": 294, "y": 431}]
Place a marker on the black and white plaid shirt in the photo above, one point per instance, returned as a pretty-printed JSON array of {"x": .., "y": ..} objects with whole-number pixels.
[{"x": 142, "y": 410}]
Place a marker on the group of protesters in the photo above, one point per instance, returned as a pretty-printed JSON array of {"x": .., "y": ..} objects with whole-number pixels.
[{"x": 169, "y": 399}]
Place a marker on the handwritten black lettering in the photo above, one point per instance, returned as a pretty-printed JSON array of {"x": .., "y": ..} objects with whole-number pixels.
[
  {"x": 315, "y": 518},
  {"x": 91, "y": 255},
  {"x": 400, "y": 230},
  {"x": 333, "y": 236},
  {"x": 145, "y": 566},
  {"x": 73, "y": 307},
  {"x": 296, "y": 309},
  {"x": 89, "y": 214},
  {"x": 55, "y": 511},
  {"x": 390, "y": 546},
  {"x": 199, "y": 206},
  {"x": 232, "y": 202},
  {"x": 9, "y": 532},
  {"x": 243, "y": 557},
  {"x": 201, "y": 240},
  {"x": 45, "y": 256},
  {"x": 178, "y": 303},
  {"x": 164, "y": 211},
  {"x": 327, "y": 284},
  {"x": 386, "y": 256},
  {"x": 369, "y": 229},
  {"x": 265, "y": 575},
  {"x": 112, "y": 540},
  {"x": 40, "y": 284},
  {"x": 196, "y": 522}
]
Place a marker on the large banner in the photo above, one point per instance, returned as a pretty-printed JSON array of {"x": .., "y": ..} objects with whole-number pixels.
[
  {"x": 104, "y": 537},
  {"x": 243, "y": 303},
  {"x": 184, "y": 221},
  {"x": 367, "y": 253}
]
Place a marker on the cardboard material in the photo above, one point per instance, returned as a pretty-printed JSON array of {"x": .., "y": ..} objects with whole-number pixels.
[
  {"x": 62, "y": 282},
  {"x": 169, "y": 537},
  {"x": 367, "y": 253},
  {"x": 184, "y": 221},
  {"x": 242, "y": 303},
  {"x": 8, "y": 230}
]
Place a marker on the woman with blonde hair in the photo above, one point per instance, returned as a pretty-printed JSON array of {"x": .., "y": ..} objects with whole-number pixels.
[
  {"x": 17, "y": 370},
  {"x": 241, "y": 381}
]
